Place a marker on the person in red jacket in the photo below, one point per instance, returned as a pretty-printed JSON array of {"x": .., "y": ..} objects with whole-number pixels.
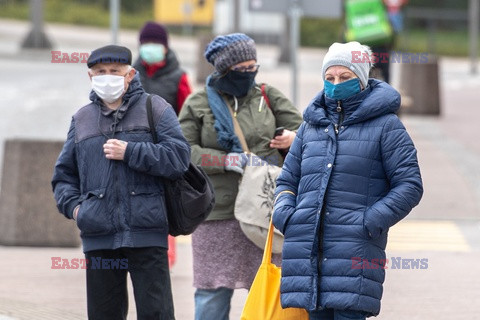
[
  {"x": 160, "y": 74},
  {"x": 159, "y": 68}
]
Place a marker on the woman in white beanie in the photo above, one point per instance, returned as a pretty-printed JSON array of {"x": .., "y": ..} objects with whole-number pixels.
[{"x": 350, "y": 174}]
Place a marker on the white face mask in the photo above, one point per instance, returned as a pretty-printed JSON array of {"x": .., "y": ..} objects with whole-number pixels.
[{"x": 108, "y": 87}]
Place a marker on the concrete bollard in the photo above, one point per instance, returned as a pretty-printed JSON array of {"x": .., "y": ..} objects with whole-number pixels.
[
  {"x": 419, "y": 82},
  {"x": 28, "y": 213}
]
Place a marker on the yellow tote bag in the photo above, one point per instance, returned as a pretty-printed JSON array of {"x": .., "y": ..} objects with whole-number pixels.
[{"x": 263, "y": 300}]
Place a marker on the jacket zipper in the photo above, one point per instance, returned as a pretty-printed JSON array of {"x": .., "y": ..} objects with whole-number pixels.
[
  {"x": 323, "y": 212},
  {"x": 320, "y": 251},
  {"x": 115, "y": 181},
  {"x": 235, "y": 109},
  {"x": 340, "y": 117}
]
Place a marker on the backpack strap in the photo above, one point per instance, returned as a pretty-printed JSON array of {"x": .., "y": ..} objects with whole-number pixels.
[
  {"x": 264, "y": 94},
  {"x": 150, "y": 119}
]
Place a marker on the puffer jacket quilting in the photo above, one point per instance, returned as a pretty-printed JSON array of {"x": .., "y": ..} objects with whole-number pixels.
[{"x": 337, "y": 196}]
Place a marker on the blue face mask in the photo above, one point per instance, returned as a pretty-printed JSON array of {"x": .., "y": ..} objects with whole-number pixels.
[
  {"x": 152, "y": 52},
  {"x": 342, "y": 90}
]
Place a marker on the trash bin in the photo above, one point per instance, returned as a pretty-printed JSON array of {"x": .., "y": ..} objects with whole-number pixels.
[
  {"x": 419, "y": 82},
  {"x": 28, "y": 213}
]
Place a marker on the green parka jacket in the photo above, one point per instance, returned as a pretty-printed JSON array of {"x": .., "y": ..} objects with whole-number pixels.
[{"x": 258, "y": 121}]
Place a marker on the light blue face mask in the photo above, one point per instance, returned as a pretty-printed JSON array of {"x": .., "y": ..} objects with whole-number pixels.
[
  {"x": 152, "y": 52},
  {"x": 342, "y": 90}
]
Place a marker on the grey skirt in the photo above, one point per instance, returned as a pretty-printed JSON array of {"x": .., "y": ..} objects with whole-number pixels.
[{"x": 224, "y": 257}]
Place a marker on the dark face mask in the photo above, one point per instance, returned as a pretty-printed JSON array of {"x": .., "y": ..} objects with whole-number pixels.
[{"x": 234, "y": 83}]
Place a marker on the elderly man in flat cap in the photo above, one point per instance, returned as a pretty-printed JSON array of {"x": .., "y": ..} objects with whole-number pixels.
[{"x": 107, "y": 179}]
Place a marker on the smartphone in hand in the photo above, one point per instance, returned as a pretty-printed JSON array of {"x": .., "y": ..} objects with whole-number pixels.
[{"x": 278, "y": 131}]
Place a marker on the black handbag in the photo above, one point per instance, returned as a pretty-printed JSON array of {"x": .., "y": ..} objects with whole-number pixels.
[{"x": 189, "y": 199}]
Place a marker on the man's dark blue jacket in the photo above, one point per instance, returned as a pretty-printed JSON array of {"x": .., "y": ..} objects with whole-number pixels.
[
  {"x": 121, "y": 202},
  {"x": 337, "y": 196}
]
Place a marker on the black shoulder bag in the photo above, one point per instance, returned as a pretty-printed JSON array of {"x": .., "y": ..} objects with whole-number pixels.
[{"x": 189, "y": 199}]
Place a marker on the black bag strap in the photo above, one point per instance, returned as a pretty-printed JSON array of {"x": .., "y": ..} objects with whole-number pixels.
[{"x": 150, "y": 119}]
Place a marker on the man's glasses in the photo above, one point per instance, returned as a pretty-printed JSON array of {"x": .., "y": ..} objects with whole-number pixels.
[{"x": 251, "y": 68}]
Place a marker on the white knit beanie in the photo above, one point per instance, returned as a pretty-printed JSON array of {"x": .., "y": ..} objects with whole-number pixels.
[{"x": 352, "y": 55}]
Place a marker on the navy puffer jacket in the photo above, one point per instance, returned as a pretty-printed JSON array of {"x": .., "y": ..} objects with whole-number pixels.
[
  {"x": 122, "y": 203},
  {"x": 350, "y": 175}
]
